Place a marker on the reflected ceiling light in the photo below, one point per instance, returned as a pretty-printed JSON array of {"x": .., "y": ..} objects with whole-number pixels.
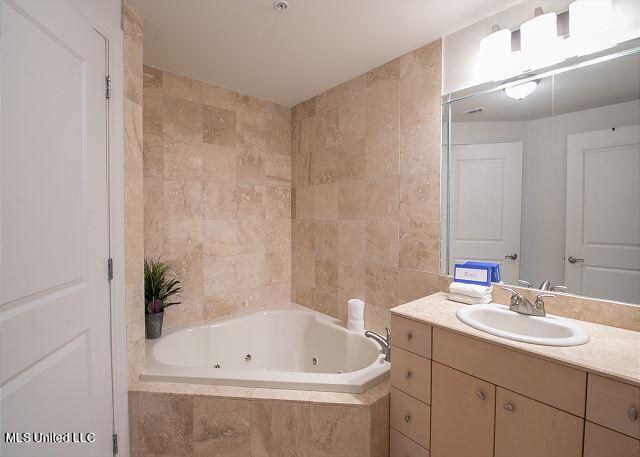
[
  {"x": 520, "y": 91},
  {"x": 590, "y": 26},
  {"x": 539, "y": 41},
  {"x": 495, "y": 53}
]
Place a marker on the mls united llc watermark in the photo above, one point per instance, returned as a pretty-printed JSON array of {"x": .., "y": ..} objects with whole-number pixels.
[{"x": 51, "y": 437}]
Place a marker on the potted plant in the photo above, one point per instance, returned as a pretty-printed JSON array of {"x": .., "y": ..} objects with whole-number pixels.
[{"x": 160, "y": 289}]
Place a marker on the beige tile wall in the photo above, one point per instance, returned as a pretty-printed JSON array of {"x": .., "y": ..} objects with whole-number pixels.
[
  {"x": 133, "y": 194},
  {"x": 217, "y": 195},
  {"x": 365, "y": 182}
]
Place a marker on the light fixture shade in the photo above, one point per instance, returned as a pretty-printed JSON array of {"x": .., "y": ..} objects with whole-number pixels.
[
  {"x": 495, "y": 53},
  {"x": 590, "y": 26},
  {"x": 539, "y": 42},
  {"x": 521, "y": 91}
]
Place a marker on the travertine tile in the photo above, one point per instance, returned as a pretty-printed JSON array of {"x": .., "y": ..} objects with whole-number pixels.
[
  {"x": 181, "y": 160},
  {"x": 351, "y": 239},
  {"x": 153, "y": 217},
  {"x": 382, "y": 243},
  {"x": 326, "y": 238},
  {"x": 326, "y": 202},
  {"x": 152, "y": 154},
  {"x": 250, "y": 199},
  {"x": 305, "y": 202},
  {"x": 221, "y": 427},
  {"x": 220, "y": 201},
  {"x": 250, "y": 236},
  {"x": 379, "y": 417},
  {"x": 219, "y": 126},
  {"x": 152, "y": 77},
  {"x": 182, "y": 119},
  {"x": 381, "y": 283},
  {"x": 182, "y": 87},
  {"x": 352, "y": 160},
  {"x": 382, "y": 155},
  {"x": 304, "y": 268},
  {"x": 279, "y": 428},
  {"x": 220, "y": 238},
  {"x": 276, "y": 234},
  {"x": 250, "y": 160},
  {"x": 183, "y": 200},
  {"x": 416, "y": 284},
  {"x": 219, "y": 97},
  {"x": 420, "y": 246},
  {"x": 278, "y": 170},
  {"x": 152, "y": 111},
  {"x": 420, "y": 199},
  {"x": 339, "y": 431},
  {"x": 420, "y": 149},
  {"x": 382, "y": 199},
  {"x": 424, "y": 61},
  {"x": 384, "y": 76},
  {"x": 277, "y": 267},
  {"x": 218, "y": 163},
  {"x": 165, "y": 424},
  {"x": 352, "y": 199},
  {"x": 382, "y": 110},
  {"x": 352, "y": 121},
  {"x": 277, "y": 202},
  {"x": 326, "y": 271},
  {"x": 324, "y": 164},
  {"x": 303, "y": 235},
  {"x": 417, "y": 104},
  {"x": 325, "y": 301},
  {"x": 250, "y": 271}
]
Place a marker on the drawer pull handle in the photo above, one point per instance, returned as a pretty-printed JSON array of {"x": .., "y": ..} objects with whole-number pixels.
[
  {"x": 480, "y": 394},
  {"x": 408, "y": 375},
  {"x": 509, "y": 407},
  {"x": 409, "y": 336},
  {"x": 407, "y": 418},
  {"x": 633, "y": 414}
]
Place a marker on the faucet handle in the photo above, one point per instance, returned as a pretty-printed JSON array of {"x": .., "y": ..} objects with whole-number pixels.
[
  {"x": 539, "y": 303},
  {"x": 515, "y": 296},
  {"x": 559, "y": 289},
  {"x": 525, "y": 283},
  {"x": 386, "y": 329}
]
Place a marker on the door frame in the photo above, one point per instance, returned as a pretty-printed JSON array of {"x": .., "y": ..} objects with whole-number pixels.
[{"x": 105, "y": 18}]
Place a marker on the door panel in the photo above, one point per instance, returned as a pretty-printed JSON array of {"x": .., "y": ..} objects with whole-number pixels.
[
  {"x": 527, "y": 428},
  {"x": 462, "y": 406},
  {"x": 55, "y": 356},
  {"x": 603, "y": 214},
  {"x": 485, "y": 213}
]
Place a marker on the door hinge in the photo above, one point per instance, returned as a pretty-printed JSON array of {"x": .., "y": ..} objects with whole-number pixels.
[
  {"x": 115, "y": 444},
  {"x": 110, "y": 269},
  {"x": 107, "y": 86}
]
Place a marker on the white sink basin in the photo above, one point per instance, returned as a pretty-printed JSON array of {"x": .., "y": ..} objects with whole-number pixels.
[{"x": 500, "y": 321}]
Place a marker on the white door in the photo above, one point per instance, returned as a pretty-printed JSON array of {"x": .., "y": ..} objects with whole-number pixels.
[
  {"x": 55, "y": 356},
  {"x": 602, "y": 255},
  {"x": 485, "y": 205}
]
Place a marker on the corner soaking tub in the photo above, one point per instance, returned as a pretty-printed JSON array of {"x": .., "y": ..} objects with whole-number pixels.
[{"x": 278, "y": 349}]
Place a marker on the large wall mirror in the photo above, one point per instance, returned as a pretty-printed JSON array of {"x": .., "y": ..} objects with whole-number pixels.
[{"x": 544, "y": 178}]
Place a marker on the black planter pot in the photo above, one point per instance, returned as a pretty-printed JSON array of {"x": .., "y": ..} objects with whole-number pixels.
[{"x": 153, "y": 325}]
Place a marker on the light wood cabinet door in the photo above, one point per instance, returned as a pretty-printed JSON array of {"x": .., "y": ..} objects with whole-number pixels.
[
  {"x": 462, "y": 414},
  {"x": 411, "y": 374},
  {"x": 411, "y": 336},
  {"x": 614, "y": 404},
  {"x": 602, "y": 442},
  {"x": 527, "y": 428}
]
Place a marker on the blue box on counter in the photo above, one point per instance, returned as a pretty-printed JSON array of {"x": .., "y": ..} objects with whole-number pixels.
[{"x": 481, "y": 273}]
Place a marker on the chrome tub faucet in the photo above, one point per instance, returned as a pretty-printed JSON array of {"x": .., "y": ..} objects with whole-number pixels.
[{"x": 385, "y": 343}]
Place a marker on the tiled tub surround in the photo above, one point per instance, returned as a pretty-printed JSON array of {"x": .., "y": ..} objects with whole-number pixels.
[
  {"x": 293, "y": 348},
  {"x": 217, "y": 195},
  {"x": 196, "y": 420},
  {"x": 133, "y": 193},
  {"x": 365, "y": 181}
]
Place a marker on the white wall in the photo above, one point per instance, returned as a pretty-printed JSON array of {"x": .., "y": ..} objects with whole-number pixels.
[
  {"x": 460, "y": 49},
  {"x": 544, "y": 177}
]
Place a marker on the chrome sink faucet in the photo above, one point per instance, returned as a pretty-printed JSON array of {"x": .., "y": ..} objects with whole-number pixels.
[
  {"x": 385, "y": 343},
  {"x": 522, "y": 305}
]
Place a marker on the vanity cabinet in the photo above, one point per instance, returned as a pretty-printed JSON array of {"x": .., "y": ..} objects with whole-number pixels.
[
  {"x": 453, "y": 395},
  {"x": 528, "y": 428},
  {"x": 462, "y": 415}
]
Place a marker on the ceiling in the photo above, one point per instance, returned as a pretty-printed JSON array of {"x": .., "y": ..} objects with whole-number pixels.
[
  {"x": 605, "y": 83},
  {"x": 248, "y": 46}
]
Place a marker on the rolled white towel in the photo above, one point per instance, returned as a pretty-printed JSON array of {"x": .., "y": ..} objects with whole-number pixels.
[
  {"x": 355, "y": 315},
  {"x": 460, "y": 298},
  {"x": 471, "y": 290}
]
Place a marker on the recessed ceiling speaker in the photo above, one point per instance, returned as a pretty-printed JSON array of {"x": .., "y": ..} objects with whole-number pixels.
[{"x": 281, "y": 5}]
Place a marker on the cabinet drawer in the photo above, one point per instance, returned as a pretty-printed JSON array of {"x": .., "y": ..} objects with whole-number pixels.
[
  {"x": 531, "y": 376},
  {"x": 401, "y": 446},
  {"x": 411, "y": 336},
  {"x": 411, "y": 374},
  {"x": 527, "y": 428},
  {"x": 614, "y": 404},
  {"x": 410, "y": 417},
  {"x": 602, "y": 442}
]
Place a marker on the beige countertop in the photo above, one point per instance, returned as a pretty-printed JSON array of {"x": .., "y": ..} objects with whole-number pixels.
[{"x": 611, "y": 352}]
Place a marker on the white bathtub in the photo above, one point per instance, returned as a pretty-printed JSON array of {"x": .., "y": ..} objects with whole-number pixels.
[{"x": 280, "y": 349}]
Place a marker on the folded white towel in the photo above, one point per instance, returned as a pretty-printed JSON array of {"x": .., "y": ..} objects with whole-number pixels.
[
  {"x": 472, "y": 290},
  {"x": 355, "y": 314},
  {"x": 469, "y": 300}
]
